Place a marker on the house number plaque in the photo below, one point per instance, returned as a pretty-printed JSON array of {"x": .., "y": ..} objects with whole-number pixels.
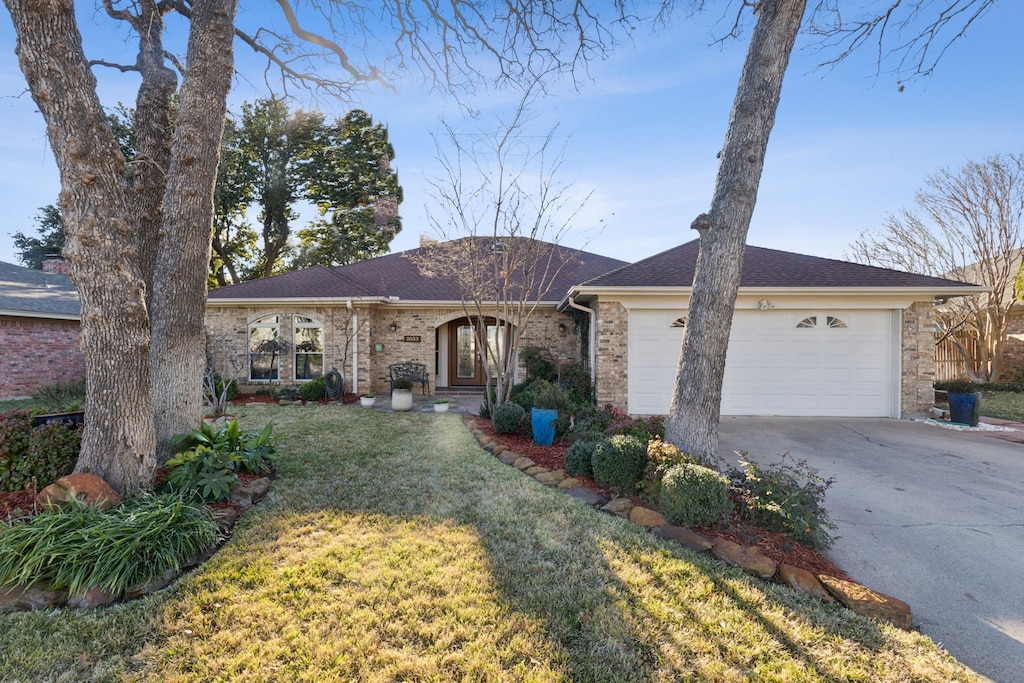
[{"x": 411, "y": 338}]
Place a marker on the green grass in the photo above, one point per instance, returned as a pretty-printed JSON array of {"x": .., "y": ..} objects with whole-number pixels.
[
  {"x": 392, "y": 547},
  {"x": 1006, "y": 405}
]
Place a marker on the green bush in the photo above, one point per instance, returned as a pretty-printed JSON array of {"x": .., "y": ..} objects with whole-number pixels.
[
  {"x": 314, "y": 390},
  {"x": 693, "y": 495},
  {"x": 402, "y": 383},
  {"x": 958, "y": 386},
  {"x": 508, "y": 418},
  {"x": 61, "y": 397},
  {"x": 578, "y": 459},
  {"x": 232, "y": 388},
  {"x": 619, "y": 462},
  {"x": 537, "y": 367},
  {"x": 661, "y": 456},
  {"x": 212, "y": 456},
  {"x": 787, "y": 498},
  {"x": 591, "y": 423},
  {"x": 576, "y": 380},
  {"x": 43, "y": 454},
  {"x": 81, "y": 547}
]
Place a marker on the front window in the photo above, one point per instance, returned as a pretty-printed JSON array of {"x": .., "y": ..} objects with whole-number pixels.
[
  {"x": 264, "y": 349},
  {"x": 309, "y": 348}
]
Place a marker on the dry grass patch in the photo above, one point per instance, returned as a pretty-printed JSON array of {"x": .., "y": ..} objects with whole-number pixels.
[{"x": 393, "y": 548}]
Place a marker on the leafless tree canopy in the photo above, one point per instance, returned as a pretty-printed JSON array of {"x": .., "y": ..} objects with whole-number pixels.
[{"x": 969, "y": 226}]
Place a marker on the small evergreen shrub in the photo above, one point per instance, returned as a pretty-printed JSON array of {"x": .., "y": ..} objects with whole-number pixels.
[
  {"x": 314, "y": 390},
  {"x": 232, "y": 388},
  {"x": 661, "y": 455},
  {"x": 537, "y": 367},
  {"x": 619, "y": 462},
  {"x": 787, "y": 498},
  {"x": 508, "y": 418},
  {"x": 578, "y": 459},
  {"x": 402, "y": 383},
  {"x": 693, "y": 495}
]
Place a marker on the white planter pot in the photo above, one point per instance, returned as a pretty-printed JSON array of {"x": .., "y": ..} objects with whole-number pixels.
[
  {"x": 367, "y": 401},
  {"x": 401, "y": 400},
  {"x": 440, "y": 407}
]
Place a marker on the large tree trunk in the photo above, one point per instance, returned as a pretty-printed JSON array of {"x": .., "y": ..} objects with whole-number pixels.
[
  {"x": 118, "y": 442},
  {"x": 179, "y": 296},
  {"x": 692, "y": 423},
  {"x": 152, "y": 136}
]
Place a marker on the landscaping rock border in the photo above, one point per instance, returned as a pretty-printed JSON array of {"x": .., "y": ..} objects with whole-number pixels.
[{"x": 750, "y": 559}]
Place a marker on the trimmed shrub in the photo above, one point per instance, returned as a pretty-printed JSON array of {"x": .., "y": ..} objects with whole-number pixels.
[
  {"x": 314, "y": 390},
  {"x": 788, "y": 499},
  {"x": 578, "y": 459},
  {"x": 693, "y": 495},
  {"x": 508, "y": 418},
  {"x": 619, "y": 462}
]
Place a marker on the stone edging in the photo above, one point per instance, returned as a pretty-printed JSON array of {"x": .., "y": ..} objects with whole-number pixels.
[
  {"x": 40, "y": 596},
  {"x": 750, "y": 559}
]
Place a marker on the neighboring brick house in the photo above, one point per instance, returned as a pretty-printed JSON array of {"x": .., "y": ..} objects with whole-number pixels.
[
  {"x": 39, "y": 325},
  {"x": 811, "y": 336}
]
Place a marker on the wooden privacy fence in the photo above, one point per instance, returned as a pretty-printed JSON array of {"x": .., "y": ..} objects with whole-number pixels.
[{"x": 949, "y": 364}]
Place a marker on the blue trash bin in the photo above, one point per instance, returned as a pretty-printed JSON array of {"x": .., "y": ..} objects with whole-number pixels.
[
  {"x": 963, "y": 408},
  {"x": 543, "y": 423}
]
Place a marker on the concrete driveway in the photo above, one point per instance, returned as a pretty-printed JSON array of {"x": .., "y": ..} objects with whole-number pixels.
[{"x": 932, "y": 516}]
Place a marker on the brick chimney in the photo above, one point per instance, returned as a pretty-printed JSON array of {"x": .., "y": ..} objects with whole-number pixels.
[{"x": 53, "y": 262}]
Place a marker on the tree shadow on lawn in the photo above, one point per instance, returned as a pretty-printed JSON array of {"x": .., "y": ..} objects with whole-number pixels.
[{"x": 422, "y": 553}]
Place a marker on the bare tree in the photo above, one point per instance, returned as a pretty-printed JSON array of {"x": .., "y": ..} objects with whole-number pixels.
[
  {"x": 969, "y": 226},
  {"x": 505, "y": 214}
]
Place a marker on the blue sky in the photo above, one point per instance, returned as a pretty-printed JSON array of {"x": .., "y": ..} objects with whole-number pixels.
[{"x": 642, "y": 133}]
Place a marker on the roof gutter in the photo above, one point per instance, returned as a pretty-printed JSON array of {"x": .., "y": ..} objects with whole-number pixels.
[{"x": 592, "y": 336}]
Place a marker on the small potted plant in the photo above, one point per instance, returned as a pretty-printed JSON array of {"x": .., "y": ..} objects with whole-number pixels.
[
  {"x": 367, "y": 400},
  {"x": 401, "y": 395},
  {"x": 441, "y": 405},
  {"x": 964, "y": 401}
]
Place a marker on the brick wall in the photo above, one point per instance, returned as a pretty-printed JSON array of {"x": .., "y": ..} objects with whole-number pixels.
[
  {"x": 38, "y": 352},
  {"x": 229, "y": 329},
  {"x": 612, "y": 369},
  {"x": 918, "y": 359}
]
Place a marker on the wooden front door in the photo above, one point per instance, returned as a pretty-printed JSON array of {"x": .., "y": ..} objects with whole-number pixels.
[{"x": 464, "y": 366}]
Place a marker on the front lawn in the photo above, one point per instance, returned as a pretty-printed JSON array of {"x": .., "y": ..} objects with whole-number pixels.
[
  {"x": 392, "y": 547},
  {"x": 1006, "y": 405}
]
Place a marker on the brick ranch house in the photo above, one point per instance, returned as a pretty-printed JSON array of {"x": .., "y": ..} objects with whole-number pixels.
[
  {"x": 811, "y": 336},
  {"x": 39, "y": 324}
]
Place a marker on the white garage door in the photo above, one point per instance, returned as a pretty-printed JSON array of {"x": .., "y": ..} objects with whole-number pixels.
[{"x": 813, "y": 363}]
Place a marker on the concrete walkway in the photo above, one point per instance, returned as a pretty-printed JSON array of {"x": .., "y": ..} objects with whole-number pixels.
[{"x": 932, "y": 516}]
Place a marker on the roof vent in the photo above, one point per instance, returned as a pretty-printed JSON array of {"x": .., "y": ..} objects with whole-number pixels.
[
  {"x": 427, "y": 240},
  {"x": 498, "y": 248}
]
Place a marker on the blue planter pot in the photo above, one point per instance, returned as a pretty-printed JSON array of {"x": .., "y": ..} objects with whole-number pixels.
[
  {"x": 543, "y": 423},
  {"x": 963, "y": 408}
]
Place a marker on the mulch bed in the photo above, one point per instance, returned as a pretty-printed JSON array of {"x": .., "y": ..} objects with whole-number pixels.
[{"x": 775, "y": 545}]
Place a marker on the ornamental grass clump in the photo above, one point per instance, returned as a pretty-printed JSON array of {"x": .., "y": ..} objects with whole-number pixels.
[
  {"x": 619, "y": 462},
  {"x": 694, "y": 495},
  {"x": 81, "y": 548}
]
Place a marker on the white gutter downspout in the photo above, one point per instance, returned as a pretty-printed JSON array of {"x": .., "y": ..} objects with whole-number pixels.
[
  {"x": 355, "y": 347},
  {"x": 592, "y": 342}
]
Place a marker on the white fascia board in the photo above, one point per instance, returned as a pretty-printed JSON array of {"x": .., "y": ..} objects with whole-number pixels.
[
  {"x": 37, "y": 314},
  {"x": 428, "y": 303}
]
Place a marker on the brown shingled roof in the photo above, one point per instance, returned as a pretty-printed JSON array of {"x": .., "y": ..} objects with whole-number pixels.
[
  {"x": 394, "y": 275},
  {"x": 763, "y": 268}
]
